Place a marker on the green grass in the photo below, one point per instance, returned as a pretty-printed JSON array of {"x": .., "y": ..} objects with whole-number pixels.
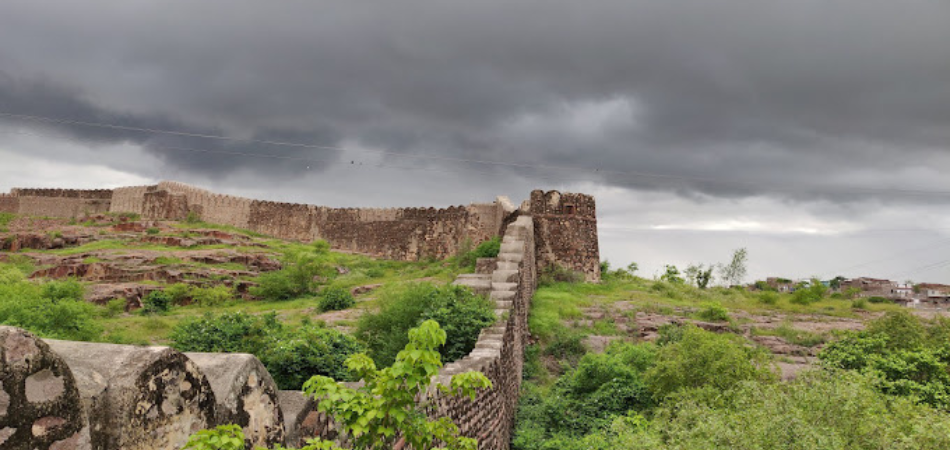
[
  {"x": 213, "y": 226},
  {"x": 793, "y": 336},
  {"x": 5, "y": 219}
]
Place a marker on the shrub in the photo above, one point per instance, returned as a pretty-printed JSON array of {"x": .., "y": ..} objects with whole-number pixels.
[
  {"x": 156, "y": 302},
  {"x": 55, "y": 311},
  {"x": 292, "y": 356},
  {"x": 876, "y": 299},
  {"x": 336, "y": 298},
  {"x": 296, "y": 279},
  {"x": 375, "y": 272},
  {"x": 487, "y": 249},
  {"x": 192, "y": 218},
  {"x": 211, "y": 296},
  {"x": 769, "y": 297},
  {"x": 178, "y": 293},
  {"x": 153, "y": 231},
  {"x": 859, "y": 303},
  {"x": 713, "y": 312},
  {"x": 808, "y": 294},
  {"x": 567, "y": 346},
  {"x": 819, "y": 411},
  {"x": 461, "y": 313},
  {"x": 701, "y": 358},
  {"x": 115, "y": 307}
]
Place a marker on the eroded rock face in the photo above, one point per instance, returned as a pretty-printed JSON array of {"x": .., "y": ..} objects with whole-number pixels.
[
  {"x": 246, "y": 395},
  {"x": 139, "y": 398},
  {"x": 40, "y": 405}
]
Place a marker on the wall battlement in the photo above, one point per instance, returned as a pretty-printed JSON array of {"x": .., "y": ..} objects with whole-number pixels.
[{"x": 565, "y": 223}]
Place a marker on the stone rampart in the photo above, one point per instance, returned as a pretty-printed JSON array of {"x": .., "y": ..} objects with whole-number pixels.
[
  {"x": 566, "y": 228},
  {"x": 9, "y": 203},
  {"x": 129, "y": 199}
]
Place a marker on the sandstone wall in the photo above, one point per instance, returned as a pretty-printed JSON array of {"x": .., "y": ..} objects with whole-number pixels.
[
  {"x": 61, "y": 206},
  {"x": 129, "y": 199},
  {"x": 566, "y": 228},
  {"x": 9, "y": 203}
]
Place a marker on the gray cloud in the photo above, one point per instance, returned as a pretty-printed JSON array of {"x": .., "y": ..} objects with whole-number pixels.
[{"x": 825, "y": 107}]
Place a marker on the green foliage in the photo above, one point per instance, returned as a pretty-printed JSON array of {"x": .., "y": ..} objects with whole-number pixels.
[
  {"x": 566, "y": 345},
  {"x": 156, "y": 302},
  {"x": 817, "y": 411},
  {"x": 626, "y": 274},
  {"x": 461, "y": 313},
  {"x": 291, "y": 354},
  {"x": 901, "y": 355},
  {"x": 859, "y": 303},
  {"x": 5, "y": 219},
  {"x": 556, "y": 273},
  {"x": 211, "y": 296},
  {"x": 224, "y": 437},
  {"x": 192, "y": 218},
  {"x": 769, "y": 297},
  {"x": 713, "y": 312},
  {"x": 876, "y": 299},
  {"x": 115, "y": 307},
  {"x": 54, "y": 309},
  {"x": 701, "y": 358},
  {"x": 377, "y": 414},
  {"x": 297, "y": 278},
  {"x": 734, "y": 272},
  {"x": 487, "y": 249},
  {"x": 806, "y": 294},
  {"x": 335, "y": 298},
  {"x": 178, "y": 293},
  {"x": 672, "y": 275},
  {"x": 152, "y": 231}
]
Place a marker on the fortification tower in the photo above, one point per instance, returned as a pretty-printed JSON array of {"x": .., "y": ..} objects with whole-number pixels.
[{"x": 565, "y": 229}]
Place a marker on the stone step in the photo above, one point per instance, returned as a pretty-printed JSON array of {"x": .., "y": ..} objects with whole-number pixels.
[
  {"x": 496, "y": 286},
  {"x": 504, "y": 276},
  {"x": 503, "y": 295},
  {"x": 508, "y": 265},
  {"x": 506, "y": 304},
  {"x": 479, "y": 286},
  {"x": 512, "y": 247},
  {"x": 510, "y": 257}
]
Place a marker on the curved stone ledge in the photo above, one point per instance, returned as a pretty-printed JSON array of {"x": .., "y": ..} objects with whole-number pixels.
[
  {"x": 138, "y": 398},
  {"x": 246, "y": 395},
  {"x": 39, "y": 400}
]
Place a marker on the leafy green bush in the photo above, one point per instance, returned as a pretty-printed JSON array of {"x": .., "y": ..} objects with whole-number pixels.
[
  {"x": 816, "y": 411},
  {"x": 211, "y": 296},
  {"x": 152, "y": 231},
  {"x": 903, "y": 356},
  {"x": 769, "y": 297},
  {"x": 713, "y": 312},
  {"x": 178, "y": 293},
  {"x": 876, "y": 299},
  {"x": 291, "y": 354},
  {"x": 297, "y": 278},
  {"x": 156, "y": 302},
  {"x": 461, "y": 313},
  {"x": 567, "y": 345},
  {"x": 53, "y": 310},
  {"x": 335, "y": 298},
  {"x": 375, "y": 272},
  {"x": 859, "y": 303},
  {"x": 701, "y": 358},
  {"x": 806, "y": 294}
]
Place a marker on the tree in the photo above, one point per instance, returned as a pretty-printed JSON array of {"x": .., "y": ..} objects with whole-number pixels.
[
  {"x": 699, "y": 275},
  {"x": 704, "y": 278},
  {"x": 734, "y": 272},
  {"x": 384, "y": 410},
  {"x": 672, "y": 275},
  {"x": 835, "y": 282}
]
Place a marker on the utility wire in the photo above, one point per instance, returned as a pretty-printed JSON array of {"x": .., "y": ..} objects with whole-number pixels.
[{"x": 626, "y": 174}]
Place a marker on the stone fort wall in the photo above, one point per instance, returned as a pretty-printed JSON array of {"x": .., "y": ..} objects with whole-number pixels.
[{"x": 565, "y": 223}]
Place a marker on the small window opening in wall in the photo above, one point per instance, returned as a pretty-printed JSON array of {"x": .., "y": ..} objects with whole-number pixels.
[{"x": 569, "y": 209}]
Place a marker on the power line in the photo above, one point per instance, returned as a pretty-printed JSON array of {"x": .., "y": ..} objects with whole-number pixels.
[
  {"x": 744, "y": 184},
  {"x": 936, "y": 244}
]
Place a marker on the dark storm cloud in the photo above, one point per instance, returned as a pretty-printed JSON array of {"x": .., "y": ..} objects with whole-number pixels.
[{"x": 808, "y": 96}]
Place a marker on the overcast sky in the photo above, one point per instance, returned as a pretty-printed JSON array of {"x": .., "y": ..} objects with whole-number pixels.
[{"x": 815, "y": 133}]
